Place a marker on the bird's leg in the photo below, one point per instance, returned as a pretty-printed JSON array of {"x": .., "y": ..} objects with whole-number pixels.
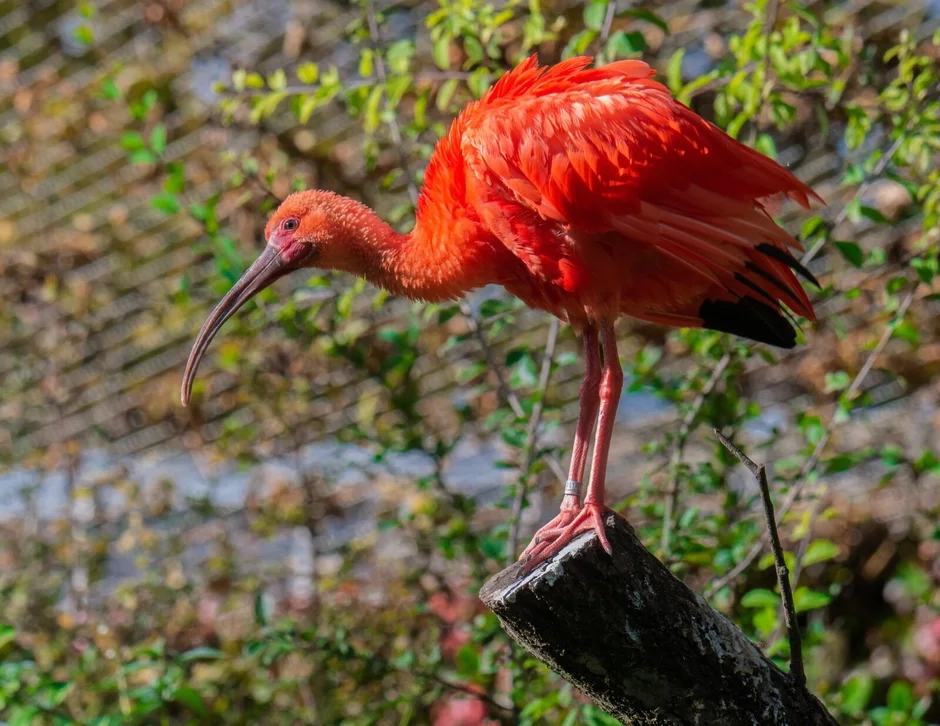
[
  {"x": 587, "y": 414},
  {"x": 589, "y": 402},
  {"x": 611, "y": 388},
  {"x": 549, "y": 541}
]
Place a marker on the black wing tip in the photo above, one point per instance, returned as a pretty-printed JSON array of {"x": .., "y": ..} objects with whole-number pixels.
[
  {"x": 789, "y": 260},
  {"x": 748, "y": 318}
]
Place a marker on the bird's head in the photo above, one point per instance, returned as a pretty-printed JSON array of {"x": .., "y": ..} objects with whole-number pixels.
[{"x": 309, "y": 229}]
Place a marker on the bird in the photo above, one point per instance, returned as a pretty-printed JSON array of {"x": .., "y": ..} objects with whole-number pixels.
[{"x": 587, "y": 192}]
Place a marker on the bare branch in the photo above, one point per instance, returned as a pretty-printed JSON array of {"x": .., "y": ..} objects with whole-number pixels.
[
  {"x": 797, "y": 671},
  {"x": 608, "y": 20}
]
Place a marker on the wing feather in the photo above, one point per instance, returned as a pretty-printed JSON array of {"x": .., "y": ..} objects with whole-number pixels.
[{"x": 656, "y": 189}]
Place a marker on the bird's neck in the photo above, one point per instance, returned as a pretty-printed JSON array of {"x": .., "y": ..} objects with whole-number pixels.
[{"x": 431, "y": 263}]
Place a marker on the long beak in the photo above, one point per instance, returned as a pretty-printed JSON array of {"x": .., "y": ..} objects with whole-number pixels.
[{"x": 265, "y": 270}]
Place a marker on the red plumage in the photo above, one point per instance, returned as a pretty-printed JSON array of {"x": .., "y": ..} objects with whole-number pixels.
[
  {"x": 587, "y": 192},
  {"x": 615, "y": 198}
]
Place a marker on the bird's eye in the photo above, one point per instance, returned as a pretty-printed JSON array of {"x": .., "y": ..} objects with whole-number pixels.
[{"x": 290, "y": 225}]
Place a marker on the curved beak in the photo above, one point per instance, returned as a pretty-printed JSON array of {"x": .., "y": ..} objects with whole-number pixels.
[{"x": 269, "y": 266}]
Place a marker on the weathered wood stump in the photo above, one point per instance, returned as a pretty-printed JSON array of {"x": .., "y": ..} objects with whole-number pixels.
[{"x": 641, "y": 644}]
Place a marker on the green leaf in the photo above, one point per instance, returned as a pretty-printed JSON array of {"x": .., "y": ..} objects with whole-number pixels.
[
  {"x": 166, "y": 203},
  {"x": 806, "y": 599},
  {"x": 445, "y": 94},
  {"x": 900, "y": 696},
  {"x": 873, "y": 214},
  {"x": 623, "y": 44},
  {"x": 810, "y": 226},
  {"x": 594, "y": 14},
  {"x": 264, "y": 608},
  {"x": 926, "y": 268},
  {"x": 839, "y": 463},
  {"x": 927, "y": 463},
  {"x": 851, "y": 252},
  {"x": 277, "y": 81},
  {"x": 201, "y": 653},
  {"x": 440, "y": 51},
  {"x": 131, "y": 141},
  {"x": 84, "y": 34},
  {"x": 142, "y": 156},
  {"x": 579, "y": 43},
  {"x": 266, "y": 106},
  {"x": 308, "y": 105},
  {"x": 190, "y": 698},
  {"x": 760, "y": 598},
  {"x": 473, "y": 49},
  {"x": 479, "y": 82},
  {"x": 371, "y": 119},
  {"x": 765, "y": 144},
  {"x": 158, "y": 139},
  {"x": 856, "y": 692},
  {"x": 56, "y": 692},
  {"x": 308, "y": 73},
  {"x": 765, "y": 620},
  {"x": 820, "y": 551},
  {"x": 468, "y": 660},
  {"x": 7, "y": 634},
  {"x": 837, "y": 381},
  {"x": 175, "y": 181},
  {"x": 398, "y": 56},
  {"x": 674, "y": 71},
  {"x": 110, "y": 90}
]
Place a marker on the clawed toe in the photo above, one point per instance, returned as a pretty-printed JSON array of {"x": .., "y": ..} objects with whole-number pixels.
[{"x": 552, "y": 538}]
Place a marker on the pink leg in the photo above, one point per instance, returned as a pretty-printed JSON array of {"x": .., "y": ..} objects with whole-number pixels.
[
  {"x": 548, "y": 541},
  {"x": 590, "y": 388}
]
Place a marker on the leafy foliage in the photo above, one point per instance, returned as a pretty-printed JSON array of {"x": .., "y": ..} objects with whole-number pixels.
[{"x": 368, "y": 637}]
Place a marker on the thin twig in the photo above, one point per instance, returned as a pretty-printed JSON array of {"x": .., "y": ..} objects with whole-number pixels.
[
  {"x": 608, "y": 20},
  {"x": 672, "y": 493},
  {"x": 483, "y": 696},
  {"x": 505, "y": 392},
  {"x": 816, "y": 455},
  {"x": 531, "y": 442},
  {"x": 797, "y": 672},
  {"x": 770, "y": 17}
]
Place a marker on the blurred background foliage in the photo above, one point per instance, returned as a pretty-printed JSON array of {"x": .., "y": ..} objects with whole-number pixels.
[{"x": 304, "y": 544}]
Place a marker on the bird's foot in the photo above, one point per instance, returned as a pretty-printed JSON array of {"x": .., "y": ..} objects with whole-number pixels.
[{"x": 551, "y": 538}]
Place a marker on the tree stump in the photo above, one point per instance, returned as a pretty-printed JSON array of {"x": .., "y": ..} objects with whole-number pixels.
[{"x": 642, "y": 645}]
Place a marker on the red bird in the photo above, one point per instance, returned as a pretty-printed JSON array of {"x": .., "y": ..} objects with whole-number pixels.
[{"x": 586, "y": 192}]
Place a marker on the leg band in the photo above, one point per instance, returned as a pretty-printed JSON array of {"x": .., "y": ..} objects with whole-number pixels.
[{"x": 573, "y": 487}]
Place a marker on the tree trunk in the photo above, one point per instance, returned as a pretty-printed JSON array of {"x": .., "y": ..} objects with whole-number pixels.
[{"x": 641, "y": 644}]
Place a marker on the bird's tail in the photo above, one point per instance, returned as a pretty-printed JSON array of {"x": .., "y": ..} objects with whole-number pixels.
[{"x": 733, "y": 273}]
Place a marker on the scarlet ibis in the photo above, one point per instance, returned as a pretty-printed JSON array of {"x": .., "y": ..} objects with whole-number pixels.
[{"x": 589, "y": 193}]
